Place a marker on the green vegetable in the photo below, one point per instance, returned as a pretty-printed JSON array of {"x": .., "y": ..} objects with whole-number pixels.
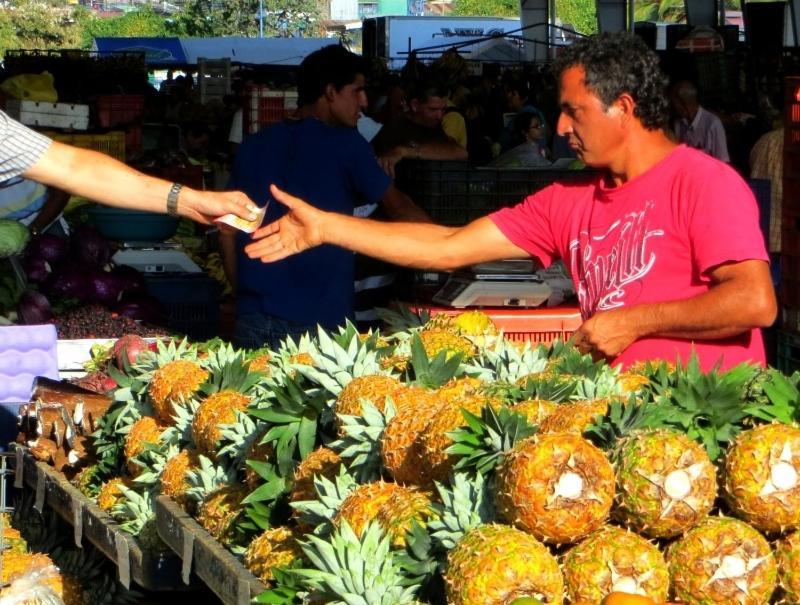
[{"x": 14, "y": 237}]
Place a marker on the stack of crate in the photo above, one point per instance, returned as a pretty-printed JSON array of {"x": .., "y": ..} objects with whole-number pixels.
[
  {"x": 213, "y": 78},
  {"x": 264, "y": 106},
  {"x": 788, "y": 358}
]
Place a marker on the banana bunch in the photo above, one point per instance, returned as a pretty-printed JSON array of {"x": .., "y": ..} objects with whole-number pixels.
[{"x": 212, "y": 264}]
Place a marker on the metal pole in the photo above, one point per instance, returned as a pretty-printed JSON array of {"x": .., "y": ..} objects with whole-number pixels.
[{"x": 260, "y": 18}]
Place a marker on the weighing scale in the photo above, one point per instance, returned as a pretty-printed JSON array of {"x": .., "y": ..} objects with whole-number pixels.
[
  {"x": 506, "y": 283},
  {"x": 156, "y": 257}
]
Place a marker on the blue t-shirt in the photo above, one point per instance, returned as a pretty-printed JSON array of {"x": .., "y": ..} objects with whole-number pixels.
[{"x": 332, "y": 168}]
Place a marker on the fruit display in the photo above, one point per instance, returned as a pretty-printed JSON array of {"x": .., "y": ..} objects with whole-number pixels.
[{"x": 441, "y": 463}]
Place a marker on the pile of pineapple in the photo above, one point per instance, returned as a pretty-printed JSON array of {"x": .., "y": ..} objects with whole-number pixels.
[{"x": 441, "y": 463}]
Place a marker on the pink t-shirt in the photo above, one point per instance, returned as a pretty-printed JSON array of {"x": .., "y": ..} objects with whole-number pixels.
[{"x": 653, "y": 239}]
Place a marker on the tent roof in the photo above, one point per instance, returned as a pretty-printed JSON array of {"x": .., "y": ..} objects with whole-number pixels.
[{"x": 164, "y": 52}]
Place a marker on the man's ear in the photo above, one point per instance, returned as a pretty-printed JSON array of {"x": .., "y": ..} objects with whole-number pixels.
[
  {"x": 413, "y": 105},
  {"x": 624, "y": 107},
  {"x": 330, "y": 92}
]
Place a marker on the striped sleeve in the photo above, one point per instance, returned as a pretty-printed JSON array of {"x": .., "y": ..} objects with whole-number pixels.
[{"x": 20, "y": 147}]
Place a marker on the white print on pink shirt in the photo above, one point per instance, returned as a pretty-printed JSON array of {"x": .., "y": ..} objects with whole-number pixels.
[{"x": 603, "y": 273}]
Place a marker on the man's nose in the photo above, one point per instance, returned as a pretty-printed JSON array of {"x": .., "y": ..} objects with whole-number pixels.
[{"x": 564, "y": 125}]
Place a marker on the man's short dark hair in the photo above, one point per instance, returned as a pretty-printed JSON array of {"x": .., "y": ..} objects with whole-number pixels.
[
  {"x": 617, "y": 63},
  {"x": 332, "y": 64},
  {"x": 425, "y": 88}
]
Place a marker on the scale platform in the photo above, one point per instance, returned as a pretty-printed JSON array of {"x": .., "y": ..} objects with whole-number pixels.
[
  {"x": 511, "y": 283},
  {"x": 149, "y": 257}
]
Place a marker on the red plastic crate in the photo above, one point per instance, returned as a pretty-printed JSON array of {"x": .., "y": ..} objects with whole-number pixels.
[
  {"x": 264, "y": 107},
  {"x": 113, "y": 110},
  {"x": 541, "y": 325}
]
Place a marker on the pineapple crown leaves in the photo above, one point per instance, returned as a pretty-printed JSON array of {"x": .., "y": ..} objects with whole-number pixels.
[
  {"x": 207, "y": 478},
  {"x": 467, "y": 503},
  {"x": 287, "y": 587},
  {"x": 622, "y": 418},
  {"x": 166, "y": 351},
  {"x": 361, "y": 445},
  {"x": 708, "y": 407},
  {"x": 338, "y": 358},
  {"x": 505, "y": 362},
  {"x": 433, "y": 372},
  {"x": 402, "y": 319},
  {"x": 566, "y": 359},
  {"x": 602, "y": 384},
  {"x": 229, "y": 371},
  {"x": 180, "y": 433},
  {"x": 349, "y": 570},
  {"x": 152, "y": 459},
  {"x": 772, "y": 396},
  {"x": 549, "y": 389},
  {"x": 239, "y": 437},
  {"x": 319, "y": 513},
  {"x": 134, "y": 509},
  {"x": 483, "y": 442}
]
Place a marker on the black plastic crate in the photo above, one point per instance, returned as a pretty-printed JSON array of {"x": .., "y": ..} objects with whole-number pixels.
[
  {"x": 788, "y": 358},
  {"x": 191, "y": 303}
]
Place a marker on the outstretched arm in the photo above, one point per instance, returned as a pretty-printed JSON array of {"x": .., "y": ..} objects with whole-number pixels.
[
  {"x": 418, "y": 245},
  {"x": 741, "y": 298},
  {"x": 101, "y": 178}
]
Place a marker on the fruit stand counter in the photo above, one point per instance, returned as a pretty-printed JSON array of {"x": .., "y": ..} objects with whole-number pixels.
[
  {"x": 203, "y": 555},
  {"x": 156, "y": 572}
]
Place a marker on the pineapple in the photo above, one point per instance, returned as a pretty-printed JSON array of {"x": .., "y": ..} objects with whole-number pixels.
[
  {"x": 474, "y": 323},
  {"x": 438, "y": 340},
  {"x": 535, "y": 411},
  {"x": 110, "y": 494},
  {"x": 12, "y": 539},
  {"x": 574, "y": 417},
  {"x": 258, "y": 452},
  {"x": 787, "y": 556},
  {"x": 260, "y": 363},
  {"x": 364, "y": 503},
  {"x": 762, "y": 484},
  {"x": 323, "y": 462},
  {"x": 399, "y": 513},
  {"x": 666, "y": 482},
  {"x": 144, "y": 431},
  {"x": 401, "y": 443},
  {"x": 374, "y": 388},
  {"x": 496, "y": 564},
  {"x": 39, "y": 569},
  {"x": 276, "y": 547},
  {"x": 218, "y": 409},
  {"x": 219, "y": 511},
  {"x": 87, "y": 480},
  {"x": 173, "y": 384},
  {"x": 722, "y": 560},
  {"x": 615, "y": 560},
  {"x": 174, "y": 476},
  {"x": 558, "y": 486}
]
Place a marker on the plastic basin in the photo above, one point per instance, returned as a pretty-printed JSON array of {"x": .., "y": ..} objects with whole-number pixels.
[{"x": 132, "y": 225}]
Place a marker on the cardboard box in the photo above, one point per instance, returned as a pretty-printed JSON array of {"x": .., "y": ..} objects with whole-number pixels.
[{"x": 52, "y": 115}]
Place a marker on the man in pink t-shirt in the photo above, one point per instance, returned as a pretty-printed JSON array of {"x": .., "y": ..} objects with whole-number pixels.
[{"x": 663, "y": 244}]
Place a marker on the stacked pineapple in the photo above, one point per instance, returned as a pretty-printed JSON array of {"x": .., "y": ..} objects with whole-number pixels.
[{"x": 455, "y": 465}]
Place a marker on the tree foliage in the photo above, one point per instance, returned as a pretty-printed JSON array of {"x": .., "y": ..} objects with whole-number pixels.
[
  {"x": 486, "y": 8},
  {"x": 240, "y": 18},
  {"x": 581, "y": 14},
  {"x": 34, "y": 24},
  {"x": 142, "y": 22}
]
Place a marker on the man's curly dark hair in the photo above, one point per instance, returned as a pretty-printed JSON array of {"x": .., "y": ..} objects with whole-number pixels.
[{"x": 617, "y": 63}]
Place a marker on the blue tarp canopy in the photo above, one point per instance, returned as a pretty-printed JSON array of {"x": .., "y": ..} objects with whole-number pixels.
[
  {"x": 158, "y": 52},
  {"x": 163, "y": 52}
]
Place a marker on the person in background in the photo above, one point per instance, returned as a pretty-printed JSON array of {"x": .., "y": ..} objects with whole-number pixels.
[
  {"x": 662, "y": 242},
  {"x": 418, "y": 133},
  {"x": 530, "y": 152},
  {"x": 100, "y": 178},
  {"x": 321, "y": 156},
  {"x": 695, "y": 125},
  {"x": 33, "y": 204},
  {"x": 518, "y": 101}
]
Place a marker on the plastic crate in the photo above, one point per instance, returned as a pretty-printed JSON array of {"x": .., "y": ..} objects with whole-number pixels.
[
  {"x": 788, "y": 357},
  {"x": 191, "y": 302},
  {"x": 114, "y": 110},
  {"x": 110, "y": 143},
  {"x": 540, "y": 326},
  {"x": 264, "y": 107},
  {"x": 454, "y": 193}
]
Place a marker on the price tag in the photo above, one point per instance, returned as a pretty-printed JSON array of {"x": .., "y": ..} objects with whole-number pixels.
[
  {"x": 19, "y": 468},
  {"x": 38, "y": 503},
  {"x": 188, "y": 553},
  {"x": 123, "y": 559},
  {"x": 77, "y": 520}
]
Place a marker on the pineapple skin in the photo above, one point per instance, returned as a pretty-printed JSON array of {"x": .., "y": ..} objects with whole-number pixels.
[
  {"x": 436, "y": 340},
  {"x": 526, "y": 480},
  {"x": 495, "y": 564},
  {"x": 374, "y": 388},
  {"x": 16, "y": 565},
  {"x": 573, "y": 417},
  {"x": 218, "y": 409},
  {"x": 748, "y": 468},
  {"x": 173, "y": 477},
  {"x": 787, "y": 556},
  {"x": 146, "y": 430},
  {"x": 323, "y": 462},
  {"x": 644, "y": 455},
  {"x": 172, "y": 384},
  {"x": 219, "y": 511},
  {"x": 587, "y": 567},
  {"x": 398, "y": 514},
  {"x": 110, "y": 494},
  {"x": 535, "y": 410},
  {"x": 276, "y": 547},
  {"x": 363, "y": 504},
  {"x": 691, "y": 561},
  {"x": 401, "y": 443}
]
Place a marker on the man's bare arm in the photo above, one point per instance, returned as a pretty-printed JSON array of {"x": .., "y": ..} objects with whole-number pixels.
[{"x": 741, "y": 298}]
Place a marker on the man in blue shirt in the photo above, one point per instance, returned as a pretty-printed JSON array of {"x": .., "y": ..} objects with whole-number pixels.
[{"x": 320, "y": 156}]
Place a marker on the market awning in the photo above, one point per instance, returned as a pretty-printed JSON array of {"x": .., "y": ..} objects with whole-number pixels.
[
  {"x": 255, "y": 51},
  {"x": 157, "y": 51}
]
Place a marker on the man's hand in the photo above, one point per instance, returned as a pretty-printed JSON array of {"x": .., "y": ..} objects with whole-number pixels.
[
  {"x": 298, "y": 230},
  {"x": 390, "y": 159},
  {"x": 205, "y": 206},
  {"x": 606, "y": 334}
]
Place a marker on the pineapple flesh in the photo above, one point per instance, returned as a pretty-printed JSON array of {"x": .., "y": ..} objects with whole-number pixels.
[
  {"x": 558, "y": 486},
  {"x": 496, "y": 564},
  {"x": 722, "y": 560}
]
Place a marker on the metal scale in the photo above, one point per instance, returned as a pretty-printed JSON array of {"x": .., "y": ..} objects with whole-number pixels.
[
  {"x": 155, "y": 257},
  {"x": 505, "y": 283}
]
